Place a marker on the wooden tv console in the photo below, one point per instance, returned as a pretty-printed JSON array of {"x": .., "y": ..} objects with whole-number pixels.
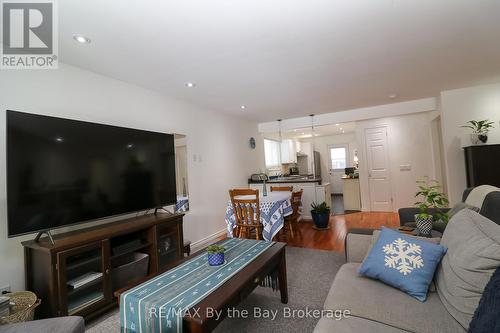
[{"x": 106, "y": 252}]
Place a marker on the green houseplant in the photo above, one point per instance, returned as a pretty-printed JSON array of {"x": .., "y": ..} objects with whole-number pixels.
[
  {"x": 431, "y": 198},
  {"x": 216, "y": 255},
  {"x": 320, "y": 214},
  {"x": 480, "y": 129}
]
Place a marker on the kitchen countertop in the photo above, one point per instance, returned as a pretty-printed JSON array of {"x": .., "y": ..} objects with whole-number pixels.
[{"x": 288, "y": 180}]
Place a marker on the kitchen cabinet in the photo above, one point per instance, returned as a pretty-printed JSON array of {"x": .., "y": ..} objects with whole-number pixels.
[
  {"x": 352, "y": 194},
  {"x": 288, "y": 152},
  {"x": 298, "y": 147},
  {"x": 305, "y": 158}
]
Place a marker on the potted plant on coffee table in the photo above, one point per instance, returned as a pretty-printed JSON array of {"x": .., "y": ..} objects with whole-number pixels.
[
  {"x": 480, "y": 129},
  {"x": 431, "y": 198},
  {"x": 320, "y": 215},
  {"x": 216, "y": 255}
]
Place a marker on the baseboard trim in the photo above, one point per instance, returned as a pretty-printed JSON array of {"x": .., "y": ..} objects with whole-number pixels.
[{"x": 204, "y": 242}]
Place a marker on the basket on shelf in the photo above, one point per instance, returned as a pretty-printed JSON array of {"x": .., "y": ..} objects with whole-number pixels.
[{"x": 23, "y": 307}]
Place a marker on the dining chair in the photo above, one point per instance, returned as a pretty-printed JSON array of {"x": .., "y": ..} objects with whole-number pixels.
[
  {"x": 281, "y": 188},
  {"x": 246, "y": 212},
  {"x": 291, "y": 221}
]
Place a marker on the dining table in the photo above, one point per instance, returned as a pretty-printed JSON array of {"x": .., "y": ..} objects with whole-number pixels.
[{"x": 274, "y": 207}]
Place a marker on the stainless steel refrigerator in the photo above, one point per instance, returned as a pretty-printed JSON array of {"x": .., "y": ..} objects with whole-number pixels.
[{"x": 317, "y": 165}]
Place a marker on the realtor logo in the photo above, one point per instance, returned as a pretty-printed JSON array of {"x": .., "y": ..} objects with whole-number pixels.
[{"x": 29, "y": 34}]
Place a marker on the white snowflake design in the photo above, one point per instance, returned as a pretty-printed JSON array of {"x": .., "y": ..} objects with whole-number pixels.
[{"x": 403, "y": 256}]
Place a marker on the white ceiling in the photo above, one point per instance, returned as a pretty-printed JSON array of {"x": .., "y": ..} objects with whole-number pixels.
[{"x": 286, "y": 58}]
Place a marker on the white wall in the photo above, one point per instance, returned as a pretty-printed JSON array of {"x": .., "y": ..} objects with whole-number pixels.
[
  {"x": 457, "y": 107},
  {"x": 321, "y": 145},
  {"x": 219, "y": 140},
  {"x": 409, "y": 138}
]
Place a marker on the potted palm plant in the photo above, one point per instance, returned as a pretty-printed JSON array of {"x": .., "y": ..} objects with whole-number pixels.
[
  {"x": 431, "y": 197},
  {"x": 480, "y": 129},
  {"x": 320, "y": 214},
  {"x": 216, "y": 255}
]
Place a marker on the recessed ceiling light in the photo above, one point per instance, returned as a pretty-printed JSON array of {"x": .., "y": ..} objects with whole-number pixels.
[
  {"x": 243, "y": 107},
  {"x": 190, "y": 84},
  {"x": 341, "y": 128},
  {"x": 59, "y": 139},
  {"x": 392, "y": 96},
  {"x": 130, "y": 146},
  {"x": 336, "y": 124},
  {"x": 81, "y": 39},
  {"x": 303, "y": 133}
]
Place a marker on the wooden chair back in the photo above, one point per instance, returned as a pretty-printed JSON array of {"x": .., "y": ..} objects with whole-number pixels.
[
  {"x": 296, "y": 201},
  {"x": 281, "y": 188},
  {"x": 246, "y": 210}
]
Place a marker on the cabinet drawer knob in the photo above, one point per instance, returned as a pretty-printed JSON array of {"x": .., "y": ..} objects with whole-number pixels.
[{"x": 107, "y": 271}]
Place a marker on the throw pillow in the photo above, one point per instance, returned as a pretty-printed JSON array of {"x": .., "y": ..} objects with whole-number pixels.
[
  {"x": 462, "y": 205},
  {"x": 473, "y": 243},
  {"x": 433, "y": 240},
  {"x": 403, "y": 262},
  {"x": 486, "y": 318}
]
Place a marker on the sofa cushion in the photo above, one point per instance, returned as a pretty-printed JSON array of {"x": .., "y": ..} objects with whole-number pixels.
[
  {"x": 473, "y": 243},
  {"x": 478, "y": 194},
  {"x": 353, "y": 325},
  {"x": 371, "y": 299},
  {"x": 403, "y": 262},
  {"x": 462, "y": 205}
]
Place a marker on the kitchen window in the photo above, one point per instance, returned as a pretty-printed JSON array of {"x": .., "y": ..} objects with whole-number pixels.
[
  {"x": 272, "y": 151},
  {"x": 338, "y": 157}
]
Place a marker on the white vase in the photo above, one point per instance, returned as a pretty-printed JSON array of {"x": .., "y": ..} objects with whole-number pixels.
[{"x": 479, "y": 138}]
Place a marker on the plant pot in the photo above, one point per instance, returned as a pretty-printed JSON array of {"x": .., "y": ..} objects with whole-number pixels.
[
  {"x": 321, "y": 219},
  {"x": 424, "y": 225},
  {"x": 479, "y": 138},
  {"x": 215, "y": 259}
]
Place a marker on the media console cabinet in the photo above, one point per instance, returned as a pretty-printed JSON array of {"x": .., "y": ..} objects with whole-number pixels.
[{"x": 78, "y": 274}]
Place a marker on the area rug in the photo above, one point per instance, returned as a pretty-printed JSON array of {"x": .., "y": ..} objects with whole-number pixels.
[{"x": 310, "y": 275}]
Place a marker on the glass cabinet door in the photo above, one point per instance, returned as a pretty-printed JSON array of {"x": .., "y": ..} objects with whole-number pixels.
[
  {"x": 168, "y": 246},
  {"x": 84, "y": 278}
]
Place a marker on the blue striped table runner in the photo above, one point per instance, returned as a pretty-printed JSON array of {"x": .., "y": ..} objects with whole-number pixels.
[{"x": 159, "y": 304}]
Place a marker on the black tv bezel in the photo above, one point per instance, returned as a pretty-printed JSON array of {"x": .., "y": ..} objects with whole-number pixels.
[{"x": 100, "y": 219}]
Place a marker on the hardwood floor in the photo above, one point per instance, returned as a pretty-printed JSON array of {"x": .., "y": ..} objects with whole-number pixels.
[{"x": 333, "y": 238}]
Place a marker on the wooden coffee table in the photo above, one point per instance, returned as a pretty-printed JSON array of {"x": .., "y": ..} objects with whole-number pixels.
[{"x": 234, "y": 290}]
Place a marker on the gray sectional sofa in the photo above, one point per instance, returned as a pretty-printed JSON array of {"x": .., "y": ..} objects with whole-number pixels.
[
  {"x": 71, "y": 324},
  {"x": 473, "y": 243}
]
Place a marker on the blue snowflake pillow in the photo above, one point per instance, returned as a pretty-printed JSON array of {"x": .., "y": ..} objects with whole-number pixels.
[{"x": 403, "y": 262}]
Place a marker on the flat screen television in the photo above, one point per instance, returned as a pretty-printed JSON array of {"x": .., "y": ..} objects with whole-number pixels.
[{"x": 62, "y": 172}]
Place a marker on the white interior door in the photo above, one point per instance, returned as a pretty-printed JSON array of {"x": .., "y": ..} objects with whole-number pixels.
[{"x": 378, "y": 169}]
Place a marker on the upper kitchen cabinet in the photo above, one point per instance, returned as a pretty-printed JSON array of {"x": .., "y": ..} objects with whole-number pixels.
[
  {"x": 288, "y": 152},
  {"x": 304, "y": 149}
]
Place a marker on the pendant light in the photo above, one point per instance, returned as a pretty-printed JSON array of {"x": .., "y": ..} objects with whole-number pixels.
[
  {"x": 279, "y": 129},
  {"x": 313, "y": 140}
]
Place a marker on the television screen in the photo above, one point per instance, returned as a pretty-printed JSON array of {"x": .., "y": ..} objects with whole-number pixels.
[{"x": 62, "y": 172}]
